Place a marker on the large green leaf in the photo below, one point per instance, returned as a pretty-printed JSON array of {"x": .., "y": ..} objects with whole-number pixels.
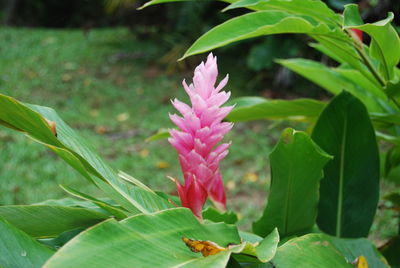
[
  {"x": 350, "y": 188},
  {"x": 296, "y": 168},
  {"x": 353, "y": 248},
  {"x": 257, "y": 24},
  {"x": 77, "y": 153},
  {"x": 259, "y": 249},
  {"x": 317, "y": 9},
  {"x": 253, "y": 108},
  {"x": 309, "y": 251},
  {"x": 17, "y": 249},
  {"x": 385, "y": 43},
  {"x": 146, "y": 241},
  {"x": 334, "y": 81},
  {"x": 113, "y": 210},
  {"x": 49, "y": 221},
  {"x": 156, "y": 2}
]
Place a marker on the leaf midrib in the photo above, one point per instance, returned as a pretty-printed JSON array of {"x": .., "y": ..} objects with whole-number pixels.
[{"x": 341, "y": 178}]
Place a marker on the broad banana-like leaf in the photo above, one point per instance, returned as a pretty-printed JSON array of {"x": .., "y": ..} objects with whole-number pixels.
[
  {"x": 153, "y": 240},
  {"x": 31, "y": 119},
  {"x": 49, "y": 221},
  {"x": 350, "y": 188},
  {"x": 309, "y": 251},
  {"x": 17, "y": 249}
]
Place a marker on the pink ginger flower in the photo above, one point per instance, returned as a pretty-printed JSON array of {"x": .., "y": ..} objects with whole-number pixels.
[{"x": 201, "y": 129}]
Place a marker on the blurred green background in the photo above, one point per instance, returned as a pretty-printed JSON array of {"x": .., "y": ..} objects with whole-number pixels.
[{"x": 110, "y": 72}]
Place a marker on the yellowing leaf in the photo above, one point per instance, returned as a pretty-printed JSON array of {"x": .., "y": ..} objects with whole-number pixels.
[
  {"x": 206, "y": 248},
  {"x": 360, "y": 262}
]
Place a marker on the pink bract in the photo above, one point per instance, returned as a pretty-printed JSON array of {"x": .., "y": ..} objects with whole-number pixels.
[{"x": 201, "y": 129}]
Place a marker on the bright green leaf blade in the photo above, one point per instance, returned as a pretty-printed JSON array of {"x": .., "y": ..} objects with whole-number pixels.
[
  {"x": 156, "y": 2},
  {"x": 267, "y": 248},
  {"x": 350, "y": 188},
  {"x": 161, "y": 134},
  {"x": 257, "y": 249},
  {"x": 17, "y": 249},
  {"x": 215, "y": 215},
  {"x": 385, "y": 44},
  {"x": 296, "y": 168},
  {"x": 62, "y": 239},
  {"x": 309, "y": 251},
  {"x": 256, "y": 24},
  {"x": 146, "y": 241},
  {"x": 115, "y": 211},
  {"x": 253, "y": 108},
  {"x": 49, "y": 221},
  {"x": 333, "y": 81},
  {"x": 353, "y": 248},
  {"x": 77, "y": 153},
  {"x": 317, "y": 9}
]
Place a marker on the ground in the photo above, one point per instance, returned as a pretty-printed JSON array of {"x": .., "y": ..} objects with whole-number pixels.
[{"x": 109, "y": 86}]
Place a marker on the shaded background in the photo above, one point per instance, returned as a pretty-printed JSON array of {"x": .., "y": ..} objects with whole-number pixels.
[{"x": 110, "y": 71}]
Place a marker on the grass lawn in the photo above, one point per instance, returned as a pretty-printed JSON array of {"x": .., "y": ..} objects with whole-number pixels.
[{"x": 108, "y": 86}]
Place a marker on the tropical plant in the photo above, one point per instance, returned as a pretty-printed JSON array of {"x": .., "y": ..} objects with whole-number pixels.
[{"x": 324, "y": 188}]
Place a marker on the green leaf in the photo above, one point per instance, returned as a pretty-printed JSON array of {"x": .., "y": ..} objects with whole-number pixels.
[
  {"x": 385, "y": 44},
  {"x": 253, "y": 108},
  {"x": 257, "y": 24},
  {"x": 162, "y": 133},
  {"x": 353, "y": 248},
  {"x": 115, "y": 211},
  {"x": 156, "y": 2},
  {"x": 17, "y": 249},
  {"x": 334, "y": 81},
  {"x": 146, "y": 241},
  {"x": 350, "y": 188},
  {"x": 309, "y": 251},
  {"x": 261, "y": 250},
  {"x": 49, "y": 221},
  {"x": 77, "y": 153},
  {"x": 317, "y": 9},
  {"x": 392, "y": 159},
  {"x": 296, "y": 168},
  {"x": 215, "y": 215},
  {"x": 267, "y": 248},
  {"x": 62, "y": 239}
]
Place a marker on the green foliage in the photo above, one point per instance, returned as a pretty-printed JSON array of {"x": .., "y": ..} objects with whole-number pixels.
[
  {"x": 296, "y": 168},
  {"x": 75, "y": 151},
  {"x": 146, "y": 241},
  {"x": 147, "y": 230},
  {"x": 309, "y": 251},
  {"x": 253, "y": 108},
  {"x": 215, "y": 215},
  {"x": 17, "y": 249},
  {"x": 49, "y": 221},
  {"x": 350, "y": 189},
  {"x": 257, "y": 24}
]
